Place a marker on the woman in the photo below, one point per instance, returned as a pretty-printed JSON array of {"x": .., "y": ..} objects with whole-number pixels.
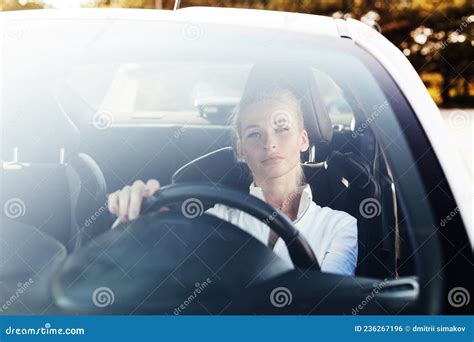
[{"x": 270, "y": 136}]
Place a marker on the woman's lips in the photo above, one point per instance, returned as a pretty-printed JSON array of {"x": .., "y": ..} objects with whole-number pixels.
[{"x": 272, "y": 160}]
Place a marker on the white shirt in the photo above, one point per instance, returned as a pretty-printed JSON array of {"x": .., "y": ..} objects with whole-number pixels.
[{"x": 332, "y": 234}]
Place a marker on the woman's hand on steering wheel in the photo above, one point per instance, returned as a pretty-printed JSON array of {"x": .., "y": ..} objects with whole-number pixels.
[{"x": 126, "y": 203}]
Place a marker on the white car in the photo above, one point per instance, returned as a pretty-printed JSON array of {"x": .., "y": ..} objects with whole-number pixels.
[{"x": 94, "y": 99}]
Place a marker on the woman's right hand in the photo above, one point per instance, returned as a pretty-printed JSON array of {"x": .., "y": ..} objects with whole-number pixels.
[{"x": 126, "y": 203}]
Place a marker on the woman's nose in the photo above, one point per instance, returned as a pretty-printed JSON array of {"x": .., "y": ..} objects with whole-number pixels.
[{"x": 269, "y": 141}]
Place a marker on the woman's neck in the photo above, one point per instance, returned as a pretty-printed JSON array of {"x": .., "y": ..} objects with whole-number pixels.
[{"x": 283, "y": 193}]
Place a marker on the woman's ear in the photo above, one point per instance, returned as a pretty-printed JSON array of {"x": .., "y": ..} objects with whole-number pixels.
[
  {"x": 304, "y": 145},
  {"x": 238, "y": 146}
]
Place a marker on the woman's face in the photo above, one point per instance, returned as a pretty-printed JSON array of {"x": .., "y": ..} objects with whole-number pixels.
[{"x": 271, "y": 139}]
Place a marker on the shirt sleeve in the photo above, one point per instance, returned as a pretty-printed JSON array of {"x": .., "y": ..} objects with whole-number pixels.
[
  {"x": 341, "y": 256},
  {"x": 220, "y": 211}
]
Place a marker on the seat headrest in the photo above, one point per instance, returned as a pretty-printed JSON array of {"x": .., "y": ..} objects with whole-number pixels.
[{"x": 298, "y": 78}]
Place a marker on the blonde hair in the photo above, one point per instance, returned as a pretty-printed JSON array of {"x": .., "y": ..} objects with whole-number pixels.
[{"x": 281, "y": 95}]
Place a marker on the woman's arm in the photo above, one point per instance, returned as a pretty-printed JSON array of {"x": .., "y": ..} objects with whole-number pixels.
[
  {"x": 341, "y": 256},
  {"x": 126, "y": 203},
  {"x": 221, "y": 211}
]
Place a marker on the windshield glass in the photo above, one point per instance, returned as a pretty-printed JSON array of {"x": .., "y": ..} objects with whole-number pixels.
[
  {"x": 148, "y": 97},
  {"x": 162, "y": 72}
]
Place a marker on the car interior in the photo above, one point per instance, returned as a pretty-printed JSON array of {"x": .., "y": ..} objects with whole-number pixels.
[
  {"x": 59, "y": 167},
  {"x": 342, "y": 170}
]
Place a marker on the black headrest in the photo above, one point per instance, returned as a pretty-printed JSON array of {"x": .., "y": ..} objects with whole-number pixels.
[{"x": 298, "y": 78}]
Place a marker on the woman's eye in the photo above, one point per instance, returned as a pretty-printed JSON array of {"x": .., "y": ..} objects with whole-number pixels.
[
  {"x": 281, "y": 129},
  {"x": 253, "y": 135}
]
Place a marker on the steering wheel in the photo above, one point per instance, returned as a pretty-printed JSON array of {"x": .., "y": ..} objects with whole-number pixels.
[{"x": 192, "y": 194}]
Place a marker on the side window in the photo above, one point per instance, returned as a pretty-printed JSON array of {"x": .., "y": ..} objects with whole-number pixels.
[{"x": 339, "y": 110}]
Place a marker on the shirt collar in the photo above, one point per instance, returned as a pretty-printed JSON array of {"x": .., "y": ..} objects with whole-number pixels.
[{"x": 305, "y": 201}]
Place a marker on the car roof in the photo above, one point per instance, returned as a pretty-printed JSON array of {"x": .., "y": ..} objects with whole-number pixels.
[{"x": 238, "y": 17}]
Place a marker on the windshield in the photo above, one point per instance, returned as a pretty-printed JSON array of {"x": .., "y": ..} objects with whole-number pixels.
[
  {"x": 148, "y": 97},
  {"x": 162, "y": 72}
]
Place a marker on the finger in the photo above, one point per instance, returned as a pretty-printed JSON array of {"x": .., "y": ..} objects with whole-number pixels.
[
  {"x": 116, "y": 223},
  {"x": 124, "y": 201},
  {"x": 112, "y": 202},
  {"x": 151, "y": 187},
  {"x": 136, "y": 195}
]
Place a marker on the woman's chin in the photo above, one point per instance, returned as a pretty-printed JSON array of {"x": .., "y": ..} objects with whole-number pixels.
[{"x": 275, "y": 171}]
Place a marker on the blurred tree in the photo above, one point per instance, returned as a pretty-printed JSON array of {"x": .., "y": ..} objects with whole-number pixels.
[
  {"x": 441, "y": 42},
  {"x": 437, "y": 37},
  {"x": 12, "y": 5},
  {"x": 149, "y": 4}
]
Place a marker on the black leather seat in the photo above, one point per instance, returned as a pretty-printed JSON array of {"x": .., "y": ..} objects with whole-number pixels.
[
  {"x": 344, "y": 181},
  {"x": 28, "y": 260},
  {"x": 55, "y": 188}
]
